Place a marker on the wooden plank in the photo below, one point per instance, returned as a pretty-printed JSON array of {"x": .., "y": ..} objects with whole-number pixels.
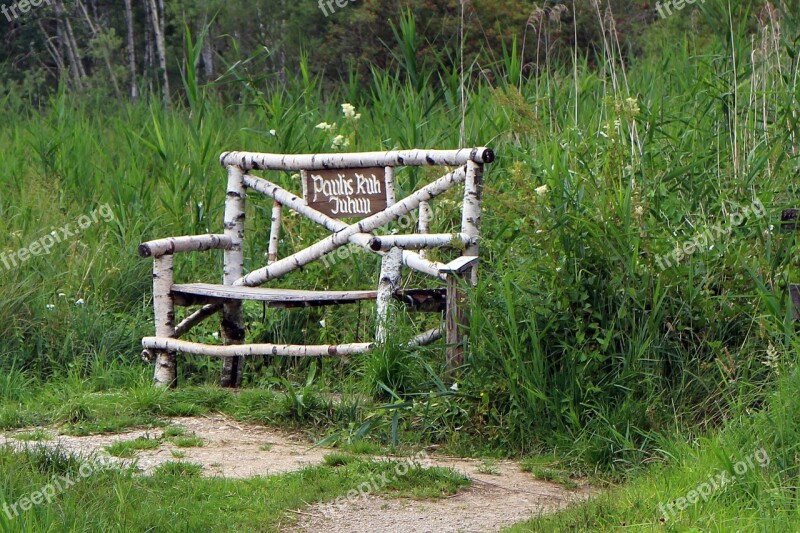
[
  {"x": 244, "y": 350},
  {"x": 421, "y": 300},
  {"x": 271, "y": 295},
  {"x": 794, "y": 292},
  {"x": 789, "y": 219},
  {"x": 456, "y": 322},
  {"x": 346, "y": 193},
  {"x": 462, "y": 264}
]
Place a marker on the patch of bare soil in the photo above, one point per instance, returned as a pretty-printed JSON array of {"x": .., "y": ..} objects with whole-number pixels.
[
  {"x": 229, "y": 449},
  {"x": 493, "y": 502},
  {"x": 499, "y": 496}
]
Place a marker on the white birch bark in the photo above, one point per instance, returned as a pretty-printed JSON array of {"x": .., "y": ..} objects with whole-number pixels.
[
  {"x": 450, "y": 158},
  {"x": 391, "y": 195},
  {"x": 234, "y": 351},
  {"x": 131, "y": 46},
  {"x": 471, "y": 211},
  {"x": 275, "y": 232},
  {"x": 388, "y": 283},
  {"x": 423, "y": 339},
  {"x": 418, "y": 242},
  {"x": 233, "y": 269},
  {"x": 196, "y": 318},
  {"x": 161, "y": 49},
  {"x": 188, "y": 243},
  {"x": 424, "y": 224},
  {"x": 165, "y": 374}
]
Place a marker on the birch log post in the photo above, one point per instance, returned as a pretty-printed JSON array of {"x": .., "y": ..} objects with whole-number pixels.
[
  {"x": 456, "y": 318},
  {"x": 424, "y": 224},
  {"x": 471, "y": 213},
  {"x": 388, "y": 283},
  {"x": 166, "y": 371},
  {"x": 391, "y": 195},
  {"x": 275, "y": 232},
  {"x": 233, "y": 269}
]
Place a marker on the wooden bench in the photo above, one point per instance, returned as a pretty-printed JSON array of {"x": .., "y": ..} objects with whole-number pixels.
[{"x": 359, "y": 187}]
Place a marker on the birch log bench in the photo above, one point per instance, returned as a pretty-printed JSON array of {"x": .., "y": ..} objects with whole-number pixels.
[{"x": 359, "y": 187}]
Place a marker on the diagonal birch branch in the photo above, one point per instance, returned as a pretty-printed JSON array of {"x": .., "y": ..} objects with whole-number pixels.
[{"x": 317, "y": 250}]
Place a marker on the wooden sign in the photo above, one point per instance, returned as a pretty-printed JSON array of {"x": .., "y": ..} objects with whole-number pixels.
[{"x": 346, "y": 193}]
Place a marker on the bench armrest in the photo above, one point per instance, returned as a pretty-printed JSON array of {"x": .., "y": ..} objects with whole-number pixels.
[
  {"x": 419, "y": 241},
  {"x": 189, "y": 243},
  {"x": 460, "y": 265}
]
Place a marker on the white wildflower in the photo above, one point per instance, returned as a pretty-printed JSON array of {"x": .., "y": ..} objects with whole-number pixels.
[
  {"x": 325, "y": 126},
  {"x": 633, "y": 105},
  {"x": 340, "y": 141},
  {"x": 273, "y": 133},
  {"x": 541, "y": 191},
  {"x": 80, "y": 301},
  {"x": 639, "y": 210},
  {"x": 350, "y": 111},
  {"x": 322, "y": 323},
  {"x": 50, "y": 306},
  {"x": 454, "y": 387}
]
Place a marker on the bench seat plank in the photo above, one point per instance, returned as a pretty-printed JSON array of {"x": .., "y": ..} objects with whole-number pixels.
[
  {"x": 424, "y": 300},
  {"x": 278, "y": 297}
]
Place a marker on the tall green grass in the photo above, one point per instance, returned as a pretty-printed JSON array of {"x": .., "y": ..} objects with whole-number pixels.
[{"x": 580, "y": 342}]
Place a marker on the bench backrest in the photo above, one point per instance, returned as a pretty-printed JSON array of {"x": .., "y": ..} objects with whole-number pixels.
[{"x": 352, "y": 185}]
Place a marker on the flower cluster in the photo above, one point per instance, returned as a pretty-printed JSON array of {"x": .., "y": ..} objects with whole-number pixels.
[{"x": 342, "y": 140}]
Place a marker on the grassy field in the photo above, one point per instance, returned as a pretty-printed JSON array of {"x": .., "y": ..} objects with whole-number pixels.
[{"x": 591, "y": 337}]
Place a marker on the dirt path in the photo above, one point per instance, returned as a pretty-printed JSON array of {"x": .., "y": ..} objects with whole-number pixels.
[{"x": 495, "y": 500}]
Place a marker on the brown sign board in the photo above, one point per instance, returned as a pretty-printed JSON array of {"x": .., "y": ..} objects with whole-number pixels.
[{"x": 346, "y": 193}]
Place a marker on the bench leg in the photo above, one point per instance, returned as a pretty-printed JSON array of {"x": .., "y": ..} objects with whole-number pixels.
[
  {"x": 391, "y": 266},
  {"x": 456, "y": 319},
  {"x": 166, "y": 371},
  {"x": 232, "y": 318},
  {"x": 232, "y": 333}
]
